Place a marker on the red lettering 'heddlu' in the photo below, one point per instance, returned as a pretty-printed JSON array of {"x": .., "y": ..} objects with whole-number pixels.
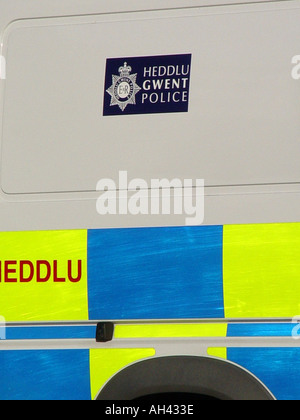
[{"x": 40, "y": 271}]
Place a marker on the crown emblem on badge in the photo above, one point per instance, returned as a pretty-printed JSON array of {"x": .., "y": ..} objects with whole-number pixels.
[
  {"x": 125, "y": 71},
  {"x": 123, "y": 88}
]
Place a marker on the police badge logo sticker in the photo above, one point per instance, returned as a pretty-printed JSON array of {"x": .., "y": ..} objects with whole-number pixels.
[
  {"x": 147, "y": 85},
  {"x": 123, "y": 88}
]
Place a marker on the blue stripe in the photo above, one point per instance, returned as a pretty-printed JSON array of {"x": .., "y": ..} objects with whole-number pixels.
[
  {"x": 89, "y": 332},
  {"x": 45, "y": 375},
  {"x": 48, "y": 333},
  {"x": 152, "y": 273},
  {"x": 260, "y": 330},
  {"x": 277, "y": 368}
]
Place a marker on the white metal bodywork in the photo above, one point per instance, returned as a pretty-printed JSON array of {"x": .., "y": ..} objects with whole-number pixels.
[{"x": 241, "y": 133}]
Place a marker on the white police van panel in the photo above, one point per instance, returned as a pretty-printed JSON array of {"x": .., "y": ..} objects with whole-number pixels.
[{"x": 56, "y": 142}]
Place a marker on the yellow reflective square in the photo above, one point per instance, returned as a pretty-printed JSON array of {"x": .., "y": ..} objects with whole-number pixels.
[
  {"x": 262, "y": 270},
  {"x": 43, "y": 276},
  {"x": 170, "y": 330},
  {"x": 105, "y": 363}
]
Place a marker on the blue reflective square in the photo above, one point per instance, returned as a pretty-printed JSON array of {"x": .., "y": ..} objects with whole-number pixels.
[
  {"x": 45, "y": 375},
  {"x": 155, "y": 273}
]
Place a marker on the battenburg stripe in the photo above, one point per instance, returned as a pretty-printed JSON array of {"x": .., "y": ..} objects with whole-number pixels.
[{"x": 242, "y": 271}]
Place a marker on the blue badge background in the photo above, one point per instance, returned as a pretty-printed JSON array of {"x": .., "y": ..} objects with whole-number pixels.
[{"x": 138, "y": 64}]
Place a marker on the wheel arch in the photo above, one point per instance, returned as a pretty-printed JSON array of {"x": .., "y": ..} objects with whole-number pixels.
[{"x": 206, "y": 376}]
